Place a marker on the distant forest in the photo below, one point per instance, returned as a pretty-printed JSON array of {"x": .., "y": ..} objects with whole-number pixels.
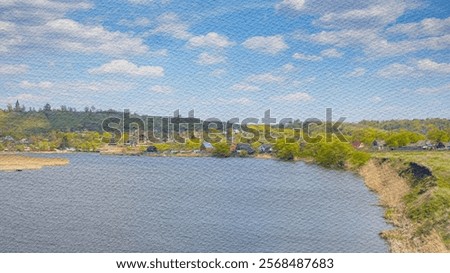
[{"x": 19, "y": 120}]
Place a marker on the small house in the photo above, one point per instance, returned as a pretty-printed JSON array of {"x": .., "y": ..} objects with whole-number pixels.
[
  {"x": 379, "y": 144},
  {"x": 440, "y": 146},
  {"x": 244, "y": 147},
  {"x": 265, "y": 149},
  {"x": 151, "y": 149},
  {"x": 206, "y": 146},
  {"x": 357, "y": 144}
]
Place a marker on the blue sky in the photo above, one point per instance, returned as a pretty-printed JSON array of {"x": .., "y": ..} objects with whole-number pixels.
[{"x": 365, "y": 59}]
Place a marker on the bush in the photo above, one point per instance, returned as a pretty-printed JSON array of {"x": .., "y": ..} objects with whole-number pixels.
[
  {"x": 333, "y": 155},
  {"x": 221, "y": 149},
  {"x": 286, "y": 151},
  {"x": 359, "y": 158}
]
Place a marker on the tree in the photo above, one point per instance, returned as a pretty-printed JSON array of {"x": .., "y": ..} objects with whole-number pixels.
[
  {"x": 437, "y": 135},
  {"x": 17, "y": 108},
  {"x": 221, "y": 149},
  {"x": 47, "y": 107}
]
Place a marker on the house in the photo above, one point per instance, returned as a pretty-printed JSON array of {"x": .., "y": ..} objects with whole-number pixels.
[
  {"x": 244, "y": 147},
  {"x": 379, "y": 144},
  {"x": 424, "y": 144},
  {"x": 206, "y": 146},
  {"x": 151, "y": 149},
  {"x": 357, "y": 144},
  {"x": 265, "y": 149},
  {"x": 8, "y": 139},
  {"x": 440, "y": 146}
]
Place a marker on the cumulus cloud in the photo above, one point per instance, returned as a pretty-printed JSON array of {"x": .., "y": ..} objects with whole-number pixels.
[
  {"x": 425, "y": 28},
  {"x": 295, "y": 5},
  {"x": 294, "y": 97},
  {"x": 301, "y": 56},
  {"x": 127, "y": 68},
  {"x": 138, "y": 22},
  {"x": 434, "y": 90},
  {"x": 265, "y": 78},
  {"x": 357, "y": 72},
  {"x": 206, "y": 58},
  {"x": 379, "y": 14},
  {"x": 245, "y": 87},
  {"x": 13, "y": 69},
  {"x": 266, "y": 44},
  {"x": 37, "y": 85},
  {"x": 331, "y": 53},
  {"x": 211, "y": 39},
  {"x": 217, "y": 73},
  {"x": 417, "y": 68},
  {"x": 170, "y": 24},
  {"x": 162, "y": 89}
]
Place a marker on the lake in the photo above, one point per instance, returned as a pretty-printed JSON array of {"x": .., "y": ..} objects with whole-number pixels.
[{"x": 156, "y": 204}]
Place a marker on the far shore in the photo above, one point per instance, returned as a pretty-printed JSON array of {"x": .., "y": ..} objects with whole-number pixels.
[{"x": 15, "y": 162}]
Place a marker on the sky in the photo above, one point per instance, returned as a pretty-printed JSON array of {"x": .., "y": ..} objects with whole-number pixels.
[{"x": 374, "y": 59}]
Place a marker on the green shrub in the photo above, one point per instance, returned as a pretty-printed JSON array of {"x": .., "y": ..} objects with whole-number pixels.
[
  {"x": 359, "y": 158},
  {"x": 221, "y": 149}
]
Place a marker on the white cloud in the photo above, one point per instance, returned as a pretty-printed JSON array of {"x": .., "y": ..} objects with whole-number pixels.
[
  {"x": 37, "y": 85},
  {"x": 269, "y": 44},
  {"x": 37, "y": 12},
  {"x": 162, "y": 89},
  {"x": 12, "y": 69},
  {"x": 170, "y": 24},
  {"x": 295, "y": 5},
  {"x": 217, "y": 73},
  {"x": 148, "y": 2},
  {"x": 395, "y": 70},
  {"x": 24, "y": 98},
  {"x": 245, "y": 87},
  {"x": 418, "y": 68},
  {"x": 265, "y": 78},
  {"x": 240, "y": 101},
  {"x": 138, "y": 22},
  {"x": 331, "y": 53},
  {"x": 357, "y": 72},
  {"x": 128, "y": 68},
  {"x": 374, "y": 44},
  {"x": 434, "y": 90},
  {"x": 312, "y": 58},
  {"x": 288, "y": 67},
  {"x": 294, "y": 97},
  {"x": 376, "y": 99},
  {"x": 211, "y": 39},
  {"x": 378, "y": 14},
  {"x": 432, "y": 66},
  {"x": 73, "y": 36},
  {"x": 426, "y": 27},
  {"x": 208, "y": 59}
]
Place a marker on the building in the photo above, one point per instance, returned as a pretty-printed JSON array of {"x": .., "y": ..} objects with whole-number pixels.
[
  {"x": 244, "y": 147},
  {"x": 265, "y": 149},
  {"x": 206, "y": 146}
]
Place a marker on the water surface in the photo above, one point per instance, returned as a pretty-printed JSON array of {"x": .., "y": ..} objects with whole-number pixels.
[{"x": 146, "y": 204}]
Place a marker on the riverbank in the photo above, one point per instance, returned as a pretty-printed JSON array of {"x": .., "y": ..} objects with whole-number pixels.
[
  {"x": 13, "y": 162},
  {"x": 410, "y": 234}
]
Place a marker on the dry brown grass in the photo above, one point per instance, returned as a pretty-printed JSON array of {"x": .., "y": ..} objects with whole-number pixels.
[
  {"x": 20, "y": 162},
  {"x": 391, "y": 189}
]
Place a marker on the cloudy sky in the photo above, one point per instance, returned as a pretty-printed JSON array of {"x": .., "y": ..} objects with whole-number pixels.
[{"x": 384, "y": 59}]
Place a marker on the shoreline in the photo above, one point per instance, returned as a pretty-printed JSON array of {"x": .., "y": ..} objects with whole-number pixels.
[
  {"x": 378, "y": 176},
  {"x": 19, "y": 162},
  {"x": 391, "y": 189}
]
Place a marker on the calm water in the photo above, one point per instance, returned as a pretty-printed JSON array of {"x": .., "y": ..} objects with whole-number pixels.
[{"x": 143, "y": 204}]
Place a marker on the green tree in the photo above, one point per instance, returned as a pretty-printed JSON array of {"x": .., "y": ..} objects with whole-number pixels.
[
  {"x": 221, "y": 149},
  {"x": 437, "y": 135},
  {"x": 334, "y": 154}
]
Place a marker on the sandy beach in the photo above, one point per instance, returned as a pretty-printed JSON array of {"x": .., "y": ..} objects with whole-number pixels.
[{"x": 20, "y": 162}]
